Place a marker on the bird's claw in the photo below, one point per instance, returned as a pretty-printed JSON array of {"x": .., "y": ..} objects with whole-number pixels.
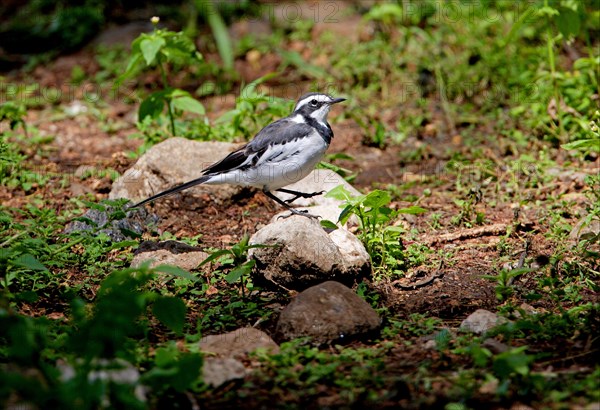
[
  {"x": 302, "y": 212},
  {"x": 304, "y": 195}
]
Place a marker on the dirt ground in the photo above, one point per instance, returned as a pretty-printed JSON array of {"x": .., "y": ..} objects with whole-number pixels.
[{"x": 450, "y": 286}]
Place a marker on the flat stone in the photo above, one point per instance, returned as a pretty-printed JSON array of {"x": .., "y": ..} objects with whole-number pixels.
[
  {"x": 326, "y": 313},
  {"x": 217, "y": 371},
  {"x": 238, "y": 343},
  {"x": 481, "y": 321},
  {"x": 96, "y": 221},
  {"x": 173, "y": 162},
  {"x": 319, "y": 180},
  {"x": 304, "y": 254}
]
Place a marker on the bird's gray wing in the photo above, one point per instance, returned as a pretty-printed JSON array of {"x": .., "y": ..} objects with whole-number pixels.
[
  {"x": 276, "y": 133},
  {"x": 234, "y": 160}
]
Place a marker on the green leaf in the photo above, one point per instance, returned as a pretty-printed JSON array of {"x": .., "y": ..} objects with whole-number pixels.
[
  {"x": 340, "y": 193},
  {"x": 188, "y": 103},
  {"x": 346, "y": 214},
  {"x": 529, "y": 11},
  {"x": 327, "y": 224},
  {"x": 150, "y": 47},
  {"x": 512, "y": 361},
  {"x": 179, "y": 371},
  {"x": 592, "y": 144},
  {"x": 295, "y": 59},
  {"x": 221, "y": 35},
  {"x": 568, "y": 23},
  {"x": 132, "y": 67},
  {"x": 29, "y": 261},
  {"x": 175, "y": 271},
  {"x": 412, "y": 210},
  {"x": 152, "y": 106},
  {"x": 377, "y": 199},
  {"x": 236, "y": 273},
  {"x": 215, "y": 255},
  {"x": 170, "y": 311}
]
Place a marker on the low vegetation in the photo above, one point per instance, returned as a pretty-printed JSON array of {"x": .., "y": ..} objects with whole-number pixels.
[{"x": 488, "y": 110}]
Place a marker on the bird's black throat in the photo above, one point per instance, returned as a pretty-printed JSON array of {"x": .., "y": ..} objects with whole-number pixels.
[{"x": 324, "y": 131}]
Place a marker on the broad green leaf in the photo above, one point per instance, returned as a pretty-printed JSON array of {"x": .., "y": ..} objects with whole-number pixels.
[
  {"x": 165, "y": 356},
  {"x": 339, "y": 192},
  {"x": 215, "y": 255},
  {"x": 236, "y": 273},
  {"x": 327, "y": 224},
  {"x": 188, "y": 103},
  {"x": 377, "y": 199},
  {"x": 412, "y": 210},
  {"x": 150, "y": 47},
  {"x": 152, "y": 106},
  {"x": 512, "y": 361},
  {"x": 175, "y": 271},
  {"x": 171, "y": 312},
  {"x": 568, "y": 23},
  {"x": 29, "y": 261}
]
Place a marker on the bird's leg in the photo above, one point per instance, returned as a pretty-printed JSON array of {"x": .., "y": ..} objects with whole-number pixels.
[
  {"x": 288, "y": 207},
  {"x": 298, "y": 194}
]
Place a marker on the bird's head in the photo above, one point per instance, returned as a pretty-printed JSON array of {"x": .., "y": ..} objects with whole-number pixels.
[{"x": 316, "y": 105}]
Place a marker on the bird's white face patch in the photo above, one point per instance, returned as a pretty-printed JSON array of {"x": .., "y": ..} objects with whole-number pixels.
[
  {"x": 321, "y": 114},
  {"x": 318, "y": 97},
  {"x": 297, "y": 119}
]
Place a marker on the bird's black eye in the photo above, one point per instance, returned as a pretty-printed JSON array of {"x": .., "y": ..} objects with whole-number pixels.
[{"x": 314, "y": 103}]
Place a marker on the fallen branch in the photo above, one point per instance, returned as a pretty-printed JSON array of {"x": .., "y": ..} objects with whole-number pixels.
[
  {"x": 488, "y": 230},
  {"x": 423, "y": 282}
]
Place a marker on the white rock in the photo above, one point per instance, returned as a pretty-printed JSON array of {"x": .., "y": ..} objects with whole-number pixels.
[
  {"x": 318, "y": 180},
  {"x": 187, "y": 261},
  {"x": 305, "y": 254},
  {"x": 219, "y": 370},
  {"x": 481, "y": 321},
  {"x": 238, "y": 343},
  {"x": 172, "y": 162}
]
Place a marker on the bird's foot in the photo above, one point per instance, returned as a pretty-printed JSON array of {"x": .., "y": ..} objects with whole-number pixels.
[
  {"x": 302, "y": 212},
  {"x": 303, "y": 195}
]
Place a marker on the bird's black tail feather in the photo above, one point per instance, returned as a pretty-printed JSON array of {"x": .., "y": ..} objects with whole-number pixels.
[{"x": 173, "y": 190}]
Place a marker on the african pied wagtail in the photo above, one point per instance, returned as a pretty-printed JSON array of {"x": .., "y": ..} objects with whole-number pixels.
[{"x": 282, "y": 153}]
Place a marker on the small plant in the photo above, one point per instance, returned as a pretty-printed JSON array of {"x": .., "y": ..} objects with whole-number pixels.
[
  {"x": 253, "y": 110},
  {"x": 380, "y": 236},
  {"x": 468, "y": 215},
  {"x": 158, "y": 49},
  {"x": 504, "y": 280},
  {"x": 235, "y": 260}
]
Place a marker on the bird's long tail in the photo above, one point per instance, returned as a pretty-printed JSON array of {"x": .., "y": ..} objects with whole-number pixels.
[{"x": 173, "y": 190}]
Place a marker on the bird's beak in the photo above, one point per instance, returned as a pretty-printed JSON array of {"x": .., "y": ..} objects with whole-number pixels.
[{"x": 337, "y": 100}]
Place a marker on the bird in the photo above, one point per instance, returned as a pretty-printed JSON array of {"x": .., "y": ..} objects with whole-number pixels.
[{"x": 283, "y": 152}]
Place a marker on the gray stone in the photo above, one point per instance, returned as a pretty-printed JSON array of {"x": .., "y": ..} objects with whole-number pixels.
[
  {"x": 96, "y": 221},
  {"x": 222, "y": 353},
  {"x": 319, "y": 180},
  {"x": 325, "y": 313},
  {"x": 219, "y": 370},
  {"x": 108, "y": 372},
  {"x": 304, "y": 254},
  {"x": 584, "y": 229},
  {"x": 169, "y": 253},
  {"x": 238, "y": 343},
  {"x": 481, "y": 321},
  {"x": 172, "y": 162}
]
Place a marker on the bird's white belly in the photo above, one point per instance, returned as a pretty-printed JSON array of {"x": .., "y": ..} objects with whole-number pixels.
[{"x": 283, "y": 166}]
